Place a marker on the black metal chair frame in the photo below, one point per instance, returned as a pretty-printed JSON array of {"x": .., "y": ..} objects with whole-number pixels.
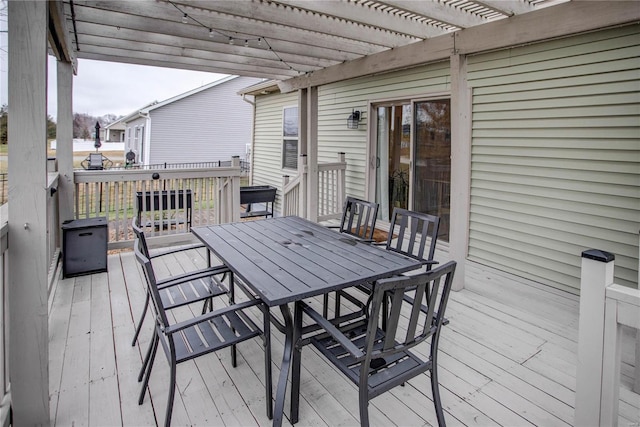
[
  {"x": 183, "y": 341},
  {"x": 358, "y": 220},
  {"x": 412, "y": 225},
  {"x": 414, "y": 230},
  {"x": 378, "y": 359},
  {"x": 187, "y": 288}
]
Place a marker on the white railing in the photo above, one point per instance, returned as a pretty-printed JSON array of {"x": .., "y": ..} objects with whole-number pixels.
[
  {"x": 168, "y": 201},
  {"x": 604, "y": 308},
  {"x": 5, "y": 393},
  {"x": 294, "y": 191},
  {"x": 331, "y": 189}
]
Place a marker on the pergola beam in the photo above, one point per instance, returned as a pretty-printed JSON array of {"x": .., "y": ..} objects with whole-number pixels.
[
  {"x": 508, "y": 7},
  {"x": 359, "y": 12},
  {"x": 214, "y": 48},
  {"x": 294, "y": 17},
  {"x": 438, "y": 11},
  {"x": 128, "y": 14},
  {"x": 122, "y": 56},
  {"x": 559, "y": 21}
]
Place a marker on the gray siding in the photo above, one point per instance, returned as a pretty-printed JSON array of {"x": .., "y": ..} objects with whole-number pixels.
[
  {"x": 556, "y": 156},
  {"x": 211, "y": 125},
  {"x": 337, "y": 100}
]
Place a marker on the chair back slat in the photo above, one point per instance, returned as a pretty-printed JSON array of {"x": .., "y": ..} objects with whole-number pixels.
[
  {"x": 431, "y": 288},
  {"x": 359, "y": 218},
  {"x": 416, "y": 310},
  {"x": 393, "y": 319},
  {"x": 414, "y": 231}
]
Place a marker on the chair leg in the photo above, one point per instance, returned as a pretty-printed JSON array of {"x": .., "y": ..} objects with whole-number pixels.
[
  {"x": 435, "y": 387},
  {"x": 147, "y": 357},
  {"x": 172, "y": 393},
  {"x": 364, "y": 407},
  {"x": 232, "y": 299},
  {"x": 144, "y": 312},
  {"x": 325, "y": 306},
  {"x": 147, "y": 374}
]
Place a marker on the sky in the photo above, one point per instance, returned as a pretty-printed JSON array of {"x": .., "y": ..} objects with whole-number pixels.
[{"x": 101, "y": 88}]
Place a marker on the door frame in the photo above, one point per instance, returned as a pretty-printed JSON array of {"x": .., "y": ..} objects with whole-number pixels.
[{"x": 372, "y": 134}]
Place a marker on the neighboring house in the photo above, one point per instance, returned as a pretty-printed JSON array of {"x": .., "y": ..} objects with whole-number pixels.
[
  {"x": 114, "y": 132},
  {"x": 545, "y": 161},
  {"x": 206, "y": 124}
]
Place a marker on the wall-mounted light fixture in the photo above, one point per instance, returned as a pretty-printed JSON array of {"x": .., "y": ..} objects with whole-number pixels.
[{"x": 353, "y": 120}]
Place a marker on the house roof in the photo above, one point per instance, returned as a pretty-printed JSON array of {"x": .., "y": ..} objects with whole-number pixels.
[
  {"x": 154, "y": 105},
  {"x": 119, "y": 122},
  {"x": 295, "y": 40}
]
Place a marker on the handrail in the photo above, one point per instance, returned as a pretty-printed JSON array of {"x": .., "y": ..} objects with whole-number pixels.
[
  {"x": 331, "y": 189},
  {"x": 605, "y": 307},
  {"x": 116, "y": 194}
]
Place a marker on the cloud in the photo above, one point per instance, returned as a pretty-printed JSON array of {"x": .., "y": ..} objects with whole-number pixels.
[{"x": 102, "y": 88}]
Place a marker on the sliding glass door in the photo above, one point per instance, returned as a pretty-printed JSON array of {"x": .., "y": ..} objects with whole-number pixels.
[{"x": 413, "y": 166}]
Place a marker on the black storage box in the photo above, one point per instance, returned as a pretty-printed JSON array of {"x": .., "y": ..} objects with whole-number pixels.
[{"x": 84, "y": 246}]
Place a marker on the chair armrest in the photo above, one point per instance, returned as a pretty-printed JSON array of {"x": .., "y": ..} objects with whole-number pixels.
[
  {"x": 187, "y": 277},
  {"x": 333, "y": 331},
  {"x": 210, "y": 315},
  {"x": 180, "y": 249}
]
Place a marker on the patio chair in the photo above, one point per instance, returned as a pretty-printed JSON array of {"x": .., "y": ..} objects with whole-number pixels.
[
  {"x": 358, "y": 218},
  {"x": 414, "y": 231},
  {"x": 377, "y": 359},
  {"x": 191, "y": 287},
  {"x": 202, "y": 334}
]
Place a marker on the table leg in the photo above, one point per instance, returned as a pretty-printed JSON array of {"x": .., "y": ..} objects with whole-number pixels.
[
  {"x": 295, "y": 368},
  {"x": 281, "y": 391},
  {"x": 291, "y": 353}
]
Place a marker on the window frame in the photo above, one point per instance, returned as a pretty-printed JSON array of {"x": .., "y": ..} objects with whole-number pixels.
[{"x": 288, "y": 139}]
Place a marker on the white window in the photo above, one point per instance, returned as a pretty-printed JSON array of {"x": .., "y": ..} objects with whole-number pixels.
[{"x": 290, "y": 138}]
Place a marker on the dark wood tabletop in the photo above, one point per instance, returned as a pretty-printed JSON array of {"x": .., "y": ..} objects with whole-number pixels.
[{"x": 287, "y": 259}]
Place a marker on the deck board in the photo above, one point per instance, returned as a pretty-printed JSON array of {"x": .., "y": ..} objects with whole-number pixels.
[{"x": 507, "y": 358}]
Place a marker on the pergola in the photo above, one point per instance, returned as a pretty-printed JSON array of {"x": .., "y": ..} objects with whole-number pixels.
[{"x": 300, "y": 44}]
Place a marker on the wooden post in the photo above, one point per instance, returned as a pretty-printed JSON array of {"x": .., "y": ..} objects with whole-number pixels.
[
  {"x": 596, "y": 275},
  {"x": 460, "y": 198},
  {"x": 284, "y": 206},
  {"x": 27, "y": 128},
  {"x": 311, "y": 196},
  {"x": 341, "y": 194},
  {"x": 235, "y": 192},
  {"x": 303, "y": 170},
  {"x": 64, "y": 140}
]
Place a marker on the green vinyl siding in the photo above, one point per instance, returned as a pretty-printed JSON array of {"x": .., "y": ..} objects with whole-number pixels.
[
  {"x": 267, "y": 148},
  {"x": 336, "y": 101},
  {"x": 556, "y": 156}
]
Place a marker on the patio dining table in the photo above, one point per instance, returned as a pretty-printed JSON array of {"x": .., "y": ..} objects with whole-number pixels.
[{"x": 288, "y": 259}]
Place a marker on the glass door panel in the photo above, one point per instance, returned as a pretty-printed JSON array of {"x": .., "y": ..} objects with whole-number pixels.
[
  {"x": 432, "y": 169},
  {"x": 393, "y": 163}
]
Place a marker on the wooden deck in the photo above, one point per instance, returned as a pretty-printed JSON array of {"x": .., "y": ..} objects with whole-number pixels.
[{"x": 507, "y": 358}]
